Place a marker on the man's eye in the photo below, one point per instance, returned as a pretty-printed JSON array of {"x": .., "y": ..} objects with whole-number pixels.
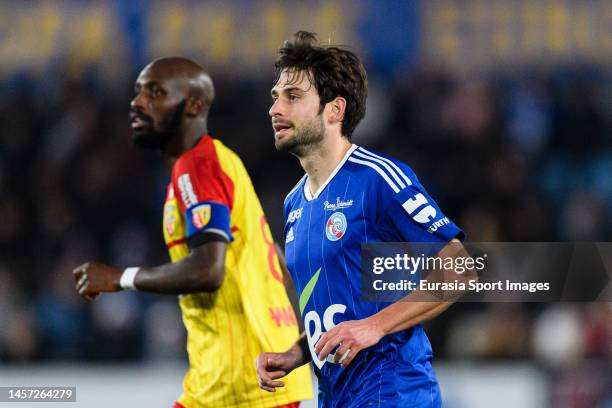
[
  {"x": 156, "y": 92},
  {"x": 293, "y": 97}
]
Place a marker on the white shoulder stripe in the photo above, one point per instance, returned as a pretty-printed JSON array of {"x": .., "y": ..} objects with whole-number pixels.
[
  {"x": 401, "y": 173},
  {"x": 378, "y": 170},
  {"x": 295, "y": 187},
  {"x": 385, "y": 165}
]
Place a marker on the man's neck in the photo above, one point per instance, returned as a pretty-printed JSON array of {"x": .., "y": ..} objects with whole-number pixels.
[
  {"x": 323, "y": 159},
  {"x": 187, "y": 139}
]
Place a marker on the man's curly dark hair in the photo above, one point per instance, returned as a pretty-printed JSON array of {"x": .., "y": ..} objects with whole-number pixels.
[{"x": 334, "y": 72}]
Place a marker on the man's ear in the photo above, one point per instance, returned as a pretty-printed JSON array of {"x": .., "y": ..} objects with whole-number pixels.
[
  {"x": 337, "y": 107},
  {"x": 194, "y": 106}
]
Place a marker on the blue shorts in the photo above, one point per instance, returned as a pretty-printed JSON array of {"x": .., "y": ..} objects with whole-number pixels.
[{"x": 380, "y": 382}]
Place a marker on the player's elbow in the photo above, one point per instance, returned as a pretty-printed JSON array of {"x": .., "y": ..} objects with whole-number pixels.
[
  {"x": 474, "y": 276},
  {"x": 208, "y": 265},
  {"x": 470, "y": 275},
  {"x": 215, "y": 278},
  {"x": 209, "y": 278},
  {"x": 205, "y": 278}
]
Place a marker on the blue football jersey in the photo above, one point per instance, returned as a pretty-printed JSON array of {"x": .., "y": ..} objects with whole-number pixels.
[{"x": 367, "y": 198}]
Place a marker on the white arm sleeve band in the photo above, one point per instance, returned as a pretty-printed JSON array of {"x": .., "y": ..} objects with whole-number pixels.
[{"x": 127, "y": 278}]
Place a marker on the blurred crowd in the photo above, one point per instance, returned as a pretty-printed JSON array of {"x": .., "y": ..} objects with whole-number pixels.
[{"x": 522, "y": 157}]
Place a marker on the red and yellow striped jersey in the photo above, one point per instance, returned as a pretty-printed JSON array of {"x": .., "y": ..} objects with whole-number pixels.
[{"x": 211, "y": 191}]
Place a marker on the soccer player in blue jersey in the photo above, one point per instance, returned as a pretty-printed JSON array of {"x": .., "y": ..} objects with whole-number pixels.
[{"x": 364, "y": 353}]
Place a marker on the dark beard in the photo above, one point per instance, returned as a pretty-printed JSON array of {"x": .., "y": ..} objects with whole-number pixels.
[
  {"x": 158, "y": 139},
  {"x": 304, "y": 138}
]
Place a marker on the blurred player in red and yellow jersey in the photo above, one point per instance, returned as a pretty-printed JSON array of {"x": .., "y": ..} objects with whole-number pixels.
[
  {"x": 212, "y": 192},
  {"x": 224, "y": 264}
]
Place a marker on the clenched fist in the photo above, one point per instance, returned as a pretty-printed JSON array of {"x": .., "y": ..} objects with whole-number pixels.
[
  {"x": 272, "y": 366},
  {"x": 91, "y": 278}
]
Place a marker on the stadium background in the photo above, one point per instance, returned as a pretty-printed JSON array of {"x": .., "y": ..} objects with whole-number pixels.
[{"x": 503, "y": 109}]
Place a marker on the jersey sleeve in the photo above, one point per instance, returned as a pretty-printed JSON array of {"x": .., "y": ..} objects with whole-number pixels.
[
  {"x": 205, "y": 195},
  {"x": 409, "y": 214}
]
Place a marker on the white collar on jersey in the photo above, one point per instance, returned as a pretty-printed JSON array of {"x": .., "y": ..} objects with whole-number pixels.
[{"x": 308, "y": 194}]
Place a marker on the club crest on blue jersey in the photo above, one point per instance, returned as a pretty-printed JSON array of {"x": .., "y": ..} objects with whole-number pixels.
[{"x": 336, "y": 225}]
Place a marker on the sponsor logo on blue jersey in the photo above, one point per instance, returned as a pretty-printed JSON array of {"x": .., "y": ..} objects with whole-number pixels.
[
  {"x": 294, "y": 215},
  {"x": 337, "y": 205},
  {"x": 336, "y": 226}
]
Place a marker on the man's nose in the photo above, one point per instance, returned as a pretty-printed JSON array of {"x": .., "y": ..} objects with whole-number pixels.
[
  {"x": 275, "y": 109},
  {"x": 137, "y": 102}
]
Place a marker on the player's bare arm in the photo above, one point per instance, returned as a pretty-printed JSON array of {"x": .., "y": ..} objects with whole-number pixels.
[
  {"x": 272, "y": 366},
  {"x": 201, "y": 271},
  {"x": 356, "y": 335}
]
